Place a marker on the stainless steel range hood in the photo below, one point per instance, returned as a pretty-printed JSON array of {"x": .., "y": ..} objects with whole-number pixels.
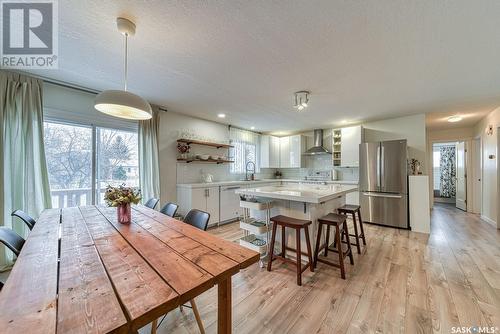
[{"x": 318, "y": 148}]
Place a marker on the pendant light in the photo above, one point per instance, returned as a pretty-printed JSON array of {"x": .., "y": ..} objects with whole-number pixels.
[{"x": 122, "y": 103}]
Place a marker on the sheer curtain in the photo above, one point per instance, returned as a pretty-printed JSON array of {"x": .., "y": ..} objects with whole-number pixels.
[
  {"x": 246, "y": 148},
  {"x": 149, "y": 173},
  {"x": 24, "y": 180}
]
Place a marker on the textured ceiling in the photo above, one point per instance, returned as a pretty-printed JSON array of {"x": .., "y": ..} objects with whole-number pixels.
[{"x": 361, "y": 60}]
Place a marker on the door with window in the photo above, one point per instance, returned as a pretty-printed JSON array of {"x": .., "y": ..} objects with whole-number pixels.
[
  {"x": 82, "y": 160},
  {"x": 461, "y": 179}
]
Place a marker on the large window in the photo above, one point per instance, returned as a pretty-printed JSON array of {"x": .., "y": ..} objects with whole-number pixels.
[{"x": 83, "y": 160}]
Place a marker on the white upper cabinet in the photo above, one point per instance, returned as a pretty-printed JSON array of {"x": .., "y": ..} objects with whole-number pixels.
[
  {"x": 285, "y": 152},
  {"x": 291, "y": 150},
  {"x": 297, "y": 145},
  {"x": 269, "y": 152},
  {"x": 351, "y": 137}
]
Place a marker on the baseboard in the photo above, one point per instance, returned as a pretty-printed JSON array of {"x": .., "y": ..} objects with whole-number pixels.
[{"x": 489, "y": 220}]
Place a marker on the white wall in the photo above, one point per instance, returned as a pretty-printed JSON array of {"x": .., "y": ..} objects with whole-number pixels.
[
  {"x": 411, "y": 128},
  {"x": 171, "y": 172},
  {"x": 490, "y": 170}
]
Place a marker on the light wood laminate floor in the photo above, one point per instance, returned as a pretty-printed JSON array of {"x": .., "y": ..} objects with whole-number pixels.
[{"x": 404, "y": 282}]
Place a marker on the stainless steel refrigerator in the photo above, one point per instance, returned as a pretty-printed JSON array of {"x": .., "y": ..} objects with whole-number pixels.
[{"x": 383, "y": 185}]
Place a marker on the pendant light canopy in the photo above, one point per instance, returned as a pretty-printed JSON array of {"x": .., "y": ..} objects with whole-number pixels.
[{"x": 121, "y": 103}]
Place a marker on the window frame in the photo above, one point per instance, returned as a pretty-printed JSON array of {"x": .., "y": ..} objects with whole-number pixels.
[{"x": 119, "y": 127}]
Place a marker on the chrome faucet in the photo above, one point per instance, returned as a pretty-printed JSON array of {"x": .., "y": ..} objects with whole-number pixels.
[{"x": 248, "y": 170}]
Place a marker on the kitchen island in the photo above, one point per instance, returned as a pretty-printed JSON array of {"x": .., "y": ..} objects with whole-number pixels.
[{"x": 303, "y": 201}]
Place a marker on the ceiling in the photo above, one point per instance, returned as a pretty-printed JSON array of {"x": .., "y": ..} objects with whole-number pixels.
[
  {"x": 361, "y": 60},
  {"x": 439, "y": 120}
]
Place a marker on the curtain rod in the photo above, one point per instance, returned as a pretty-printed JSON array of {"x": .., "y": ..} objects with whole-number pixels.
[
  {"x": 65, "y": 84},
  {"x": 237, "y": 127}
]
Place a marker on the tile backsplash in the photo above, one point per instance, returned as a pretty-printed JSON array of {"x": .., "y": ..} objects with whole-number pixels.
[{"x": 192, "y": 173}]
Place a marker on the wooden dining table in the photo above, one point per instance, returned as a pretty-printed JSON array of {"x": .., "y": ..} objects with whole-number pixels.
[{"x": 80, "y": 271}]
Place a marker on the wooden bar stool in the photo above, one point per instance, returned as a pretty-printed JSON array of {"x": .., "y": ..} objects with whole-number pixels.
[
  {"x": 349, "y": 209},
  {"x": 339, "y": 222},
  {"x": 297, "y": 225}
]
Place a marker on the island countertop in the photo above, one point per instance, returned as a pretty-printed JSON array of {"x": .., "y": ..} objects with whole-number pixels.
[{"x": 308, "y": 193}]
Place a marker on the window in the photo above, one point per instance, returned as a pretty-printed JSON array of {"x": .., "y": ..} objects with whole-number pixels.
[
  {"x": 242, "y": 154},
  {"x": 83, "y": 160},
  {"x": 245, "y": 149},
  {"x": 118, "y": 160},
  {"x": 68, "y": 149}
]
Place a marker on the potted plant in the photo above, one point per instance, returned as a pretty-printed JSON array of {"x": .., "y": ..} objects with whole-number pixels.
[{"x": 121, "y": 197}]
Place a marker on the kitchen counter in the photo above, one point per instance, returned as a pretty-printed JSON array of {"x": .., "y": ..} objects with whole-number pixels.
[
  {"x": 252, "y": 183},
  {"x": 306, "y": 193}
]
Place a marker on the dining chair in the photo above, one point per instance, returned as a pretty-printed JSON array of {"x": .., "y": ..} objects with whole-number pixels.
[
  {"x": 11, "y": 240},
  {"x": 27, "y": 219},
  {"x": 151, "y": 203},
  {"x": 169, "y": 209},
  {"x": 198, "y": 219}
]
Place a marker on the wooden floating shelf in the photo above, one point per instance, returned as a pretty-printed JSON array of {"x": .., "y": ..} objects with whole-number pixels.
[
  {"x": 204, "y": 161},
  {"x": 204, "y": 143}
]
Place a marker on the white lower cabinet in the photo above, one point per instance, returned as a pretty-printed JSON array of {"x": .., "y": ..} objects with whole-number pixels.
[
  {"x": 229, "y": 203},
  {"x": 205, "y": 199}
]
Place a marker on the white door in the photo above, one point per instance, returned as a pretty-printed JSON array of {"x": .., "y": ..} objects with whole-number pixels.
[{"x": 461, "y": 179}]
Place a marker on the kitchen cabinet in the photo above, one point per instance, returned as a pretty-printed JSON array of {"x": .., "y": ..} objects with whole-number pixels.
[
  {"x": 291, "y": 150},
  {"x": 205, "y": 199},
  {"x": 285, "y": 152},
  {"x": 230, "y": 203},
  {"x": 349, "y": 141},
  {"x": 269, "y": 152}
]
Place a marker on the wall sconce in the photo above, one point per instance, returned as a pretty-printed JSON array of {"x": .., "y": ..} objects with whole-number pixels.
[{"x": 489, "y": 131}]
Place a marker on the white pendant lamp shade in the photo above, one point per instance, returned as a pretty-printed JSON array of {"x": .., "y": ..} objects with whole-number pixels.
[{"x": 123, "y": 104}]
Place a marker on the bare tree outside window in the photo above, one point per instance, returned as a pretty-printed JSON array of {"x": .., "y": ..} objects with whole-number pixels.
[{"x": 69, "y": 160}]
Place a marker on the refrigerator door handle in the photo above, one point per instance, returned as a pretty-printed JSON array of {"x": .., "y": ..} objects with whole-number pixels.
[
  {"x": 383, "y": 195},
  {"x": 378, "y": 166},
  {"x": 382, "y": 163}
]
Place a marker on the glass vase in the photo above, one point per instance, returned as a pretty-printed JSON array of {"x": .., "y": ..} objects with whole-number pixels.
[{"x": 124, "y": 213}]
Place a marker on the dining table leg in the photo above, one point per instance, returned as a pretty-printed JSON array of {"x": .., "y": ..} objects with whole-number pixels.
[{"x": 224, "y": 322}]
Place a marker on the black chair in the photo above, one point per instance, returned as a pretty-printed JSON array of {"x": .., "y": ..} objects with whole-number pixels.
[
  {"x": 198, "y": 219},
  {"x": 151, "y": 203},
  {"x": 27, "y": 219},
  {"x": 11, "y": 239},
  {"x": 169, "y": 209}
]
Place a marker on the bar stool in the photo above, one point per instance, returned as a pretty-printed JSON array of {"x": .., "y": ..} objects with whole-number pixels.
[
  {"x": 340, "y": 223},
  {"x": 349, "y": 209},
  {"x": 297, "y": 225}
]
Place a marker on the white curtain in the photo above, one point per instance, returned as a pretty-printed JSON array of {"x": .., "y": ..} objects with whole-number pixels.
[
  {"x": 24, "y": 182},
  {"x": 149, "y": 170},
  {"x": 246, "y": 148}
]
